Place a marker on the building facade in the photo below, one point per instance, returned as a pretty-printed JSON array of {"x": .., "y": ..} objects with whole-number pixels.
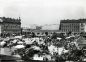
[
  {"x": 75, "y": 26},
  {"x": 10, "y": 25}
]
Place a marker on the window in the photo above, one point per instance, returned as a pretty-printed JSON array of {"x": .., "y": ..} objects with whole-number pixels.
[
  {"x": 82, "y": 24},
  {"x": 82, "y": 29}
]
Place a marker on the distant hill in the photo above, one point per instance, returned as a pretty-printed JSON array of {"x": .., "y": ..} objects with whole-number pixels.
[{"x": 50, "y": 27}]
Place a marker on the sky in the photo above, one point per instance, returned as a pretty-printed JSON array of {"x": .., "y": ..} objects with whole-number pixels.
[{"x": 43, "y": 12}]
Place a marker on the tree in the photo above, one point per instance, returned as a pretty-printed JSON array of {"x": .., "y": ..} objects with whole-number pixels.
[
  {"x": 54, "y": 36},
  {"x": 69, "y": 33},
  {"x": 33, "y": 34},
  {"x": 46, "y": 33},
  {"x": 26, "y": 53},
  {"x": 75, "y": 55}
]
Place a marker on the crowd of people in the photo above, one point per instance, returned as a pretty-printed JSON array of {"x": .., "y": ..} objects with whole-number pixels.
[{"x": 54, "y": 48}]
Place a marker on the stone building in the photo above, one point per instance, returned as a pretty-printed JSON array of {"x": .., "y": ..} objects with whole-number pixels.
[
  {"x": 75, "y": 26},
  {"x": 10, "y": 26}
]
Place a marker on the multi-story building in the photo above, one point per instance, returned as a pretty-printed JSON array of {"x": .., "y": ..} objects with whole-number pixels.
[
  {"x": 75, "y": 26},
  {"x": 10, "y": 25}
]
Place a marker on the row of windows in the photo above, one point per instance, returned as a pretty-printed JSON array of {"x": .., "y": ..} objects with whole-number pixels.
[
  {"x": 70, "y": 28},
  {"x": 72, "y": 25},
  {"x": 10, "y": 24},
  {"x": 76, "y": 27},
  {"x": 67, "y": 30},
  {"x": 74, "y": 30},
  {"x": 11, "y": 27},
  {"x": 69, "y": 24},
  {"x": 11, "y": 32}
]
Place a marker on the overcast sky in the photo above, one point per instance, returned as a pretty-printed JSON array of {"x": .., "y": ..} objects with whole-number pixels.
[{"x": 43, "y": 11}]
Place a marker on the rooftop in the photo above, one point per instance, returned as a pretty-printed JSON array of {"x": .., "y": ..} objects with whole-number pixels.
[
  {"x": 9, "y": 20},
  {"x": 74, "y": 21}
]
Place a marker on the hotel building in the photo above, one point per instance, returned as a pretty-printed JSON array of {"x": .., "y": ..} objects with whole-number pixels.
[
  {"x": 10, "y": 25},
  {"x": 75, "y": 26}
]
